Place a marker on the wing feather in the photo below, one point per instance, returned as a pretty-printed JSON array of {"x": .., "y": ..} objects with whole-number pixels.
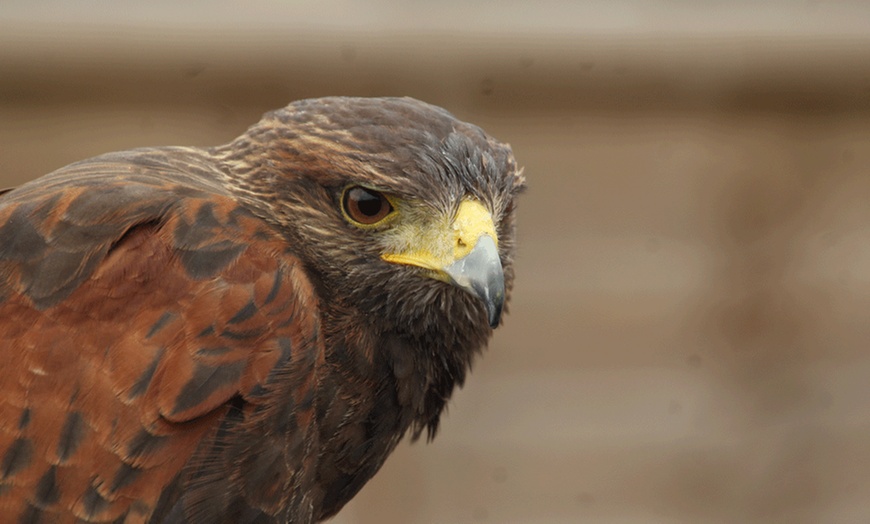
[{"x": 137, "y": 313}]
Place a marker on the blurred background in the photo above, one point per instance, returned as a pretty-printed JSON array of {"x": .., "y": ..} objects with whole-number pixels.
[{"x": 688, "y": 339}]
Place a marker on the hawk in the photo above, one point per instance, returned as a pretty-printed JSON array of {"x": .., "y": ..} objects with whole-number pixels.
[{"x": 244, "y": 333}]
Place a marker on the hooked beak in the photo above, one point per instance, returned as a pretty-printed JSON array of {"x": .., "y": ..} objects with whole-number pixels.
[
  {"x": 480, "y": 273},
  {"x": 466, "y": 256}
]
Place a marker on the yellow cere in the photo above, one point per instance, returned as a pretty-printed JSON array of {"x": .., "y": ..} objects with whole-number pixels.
[
  {"x": 437, "y": 247},
  {"x": 472, "y": 221}
]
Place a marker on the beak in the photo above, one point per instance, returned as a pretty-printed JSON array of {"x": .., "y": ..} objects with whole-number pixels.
[
  {"x": 465, "y": 255},
  {"x": 480, "y": 273}
]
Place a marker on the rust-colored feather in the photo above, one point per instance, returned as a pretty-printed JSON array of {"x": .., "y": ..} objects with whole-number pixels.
[{"x": 121, "y": 379}]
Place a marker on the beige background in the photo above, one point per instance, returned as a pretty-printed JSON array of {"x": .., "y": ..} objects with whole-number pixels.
[{"x": 688, "y": 339}]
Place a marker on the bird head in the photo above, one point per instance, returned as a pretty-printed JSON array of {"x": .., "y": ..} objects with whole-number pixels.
[{"x": 403, "y": 214}]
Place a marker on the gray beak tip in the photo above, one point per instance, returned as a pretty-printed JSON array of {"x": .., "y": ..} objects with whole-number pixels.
[{"x": 494, "y": 309}]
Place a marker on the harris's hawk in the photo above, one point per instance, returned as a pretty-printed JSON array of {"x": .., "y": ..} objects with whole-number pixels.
[{"x": 244, "y": 333}]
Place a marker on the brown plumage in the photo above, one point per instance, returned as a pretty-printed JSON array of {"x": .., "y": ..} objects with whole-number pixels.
[{"x": 220, "y": 335}]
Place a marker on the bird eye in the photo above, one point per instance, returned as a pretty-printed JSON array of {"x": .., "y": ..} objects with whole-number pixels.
[{"x": 365, "y": 206}]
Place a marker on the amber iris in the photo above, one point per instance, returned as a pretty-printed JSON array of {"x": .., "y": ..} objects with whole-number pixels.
[{"x": 365, "y": 206}]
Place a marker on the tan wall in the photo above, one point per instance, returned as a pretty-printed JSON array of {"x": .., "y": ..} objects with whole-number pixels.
[{"x": 688, "y": 339}]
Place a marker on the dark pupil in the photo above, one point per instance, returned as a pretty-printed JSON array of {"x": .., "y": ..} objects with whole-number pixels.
[{"x": 367, "y": 203}]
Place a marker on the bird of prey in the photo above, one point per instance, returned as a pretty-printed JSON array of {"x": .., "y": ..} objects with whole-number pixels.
[{"x": 243, "y": 333}]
